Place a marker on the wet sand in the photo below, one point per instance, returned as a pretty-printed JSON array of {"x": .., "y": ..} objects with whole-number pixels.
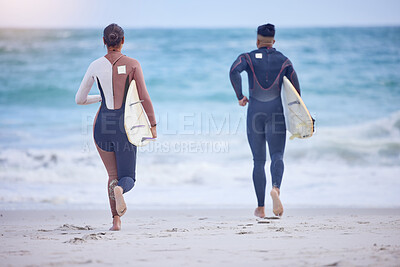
[{"x": 226, "y": 237}]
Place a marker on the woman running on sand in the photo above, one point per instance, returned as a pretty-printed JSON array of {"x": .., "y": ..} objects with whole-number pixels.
[{"x": 113, "y": 73}]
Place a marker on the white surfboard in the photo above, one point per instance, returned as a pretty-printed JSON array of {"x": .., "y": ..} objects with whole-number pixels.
[
  {"x": 297, "y": 117},
  {"x": 137, "y": 126}
]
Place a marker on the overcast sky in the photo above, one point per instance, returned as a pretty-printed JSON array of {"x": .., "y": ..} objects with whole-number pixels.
[{"x": 203, "y": 13}]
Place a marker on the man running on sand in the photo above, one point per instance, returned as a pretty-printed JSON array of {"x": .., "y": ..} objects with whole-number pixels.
[{"x": 266, "y": 68}]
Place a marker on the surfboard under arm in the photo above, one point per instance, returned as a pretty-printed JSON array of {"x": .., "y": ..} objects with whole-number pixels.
[
  {"x": 136, "y": 123},
  {"x": 297, "y": 117}
]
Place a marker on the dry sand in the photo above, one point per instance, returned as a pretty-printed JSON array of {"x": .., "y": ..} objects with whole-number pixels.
[{"x": 309, "y": 237}]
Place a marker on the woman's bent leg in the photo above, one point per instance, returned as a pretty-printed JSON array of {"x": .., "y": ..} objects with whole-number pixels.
[{"x": 126, "y": 166}]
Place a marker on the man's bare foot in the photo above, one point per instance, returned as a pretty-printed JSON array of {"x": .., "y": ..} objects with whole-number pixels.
[
  {"x": 119, "y": 200},
  {"x": 259, "y": 212},
  {"x": 116, "y": 224},
  {"x": 276, "y": 202}
]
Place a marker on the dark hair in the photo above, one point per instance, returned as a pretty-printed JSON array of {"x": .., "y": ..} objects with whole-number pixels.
[
  {"x": 113, "y": 35},
  {"x": 267, "y": 30}
]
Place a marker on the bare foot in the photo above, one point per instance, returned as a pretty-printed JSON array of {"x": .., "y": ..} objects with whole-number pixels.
[
  {"x": 259, "y": 212},
  {"x": 116, "y": 224},
  {"x": 119, "y": 200},
  {"x": 276, "y": 202}
]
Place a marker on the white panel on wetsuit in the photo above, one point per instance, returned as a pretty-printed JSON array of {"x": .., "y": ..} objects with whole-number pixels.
[{"x": 103, "y": 70}]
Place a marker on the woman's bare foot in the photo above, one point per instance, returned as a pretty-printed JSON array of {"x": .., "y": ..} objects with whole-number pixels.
[
  {"x": 116, "y": 224},
  {"x": 119, "y": 200},
  {"x": 276, "y": 202},
  {"x": 259, "y": 212}
]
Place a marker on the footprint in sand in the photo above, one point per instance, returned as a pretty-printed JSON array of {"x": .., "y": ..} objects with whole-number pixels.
[
  {"x": 264, "y": 222},
  {"x": 272, "y": 218},
  {"x": 176, "y": 230},
  {"x": 265, "y": 219},
  {"x": 76, "y": 240},
  {"x": 245, "y": 232},
  {"x": 80, "y": 240},
  {"x": 67, "y": 227}
]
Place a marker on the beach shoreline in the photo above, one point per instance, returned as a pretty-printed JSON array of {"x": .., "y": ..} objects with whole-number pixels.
[{"x": 201, "y": 237}]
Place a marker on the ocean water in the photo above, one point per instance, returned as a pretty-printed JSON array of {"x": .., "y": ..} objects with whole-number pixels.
[{"x": 350, "y": 80}]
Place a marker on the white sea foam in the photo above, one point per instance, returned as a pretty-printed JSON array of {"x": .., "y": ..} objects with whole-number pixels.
[
  {"x": 372, "y": 143},
  {"x": 357, "y": 165}
]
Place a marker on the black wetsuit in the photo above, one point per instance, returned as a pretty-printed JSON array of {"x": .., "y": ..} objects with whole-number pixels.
[{"x": 266, "y": 68}]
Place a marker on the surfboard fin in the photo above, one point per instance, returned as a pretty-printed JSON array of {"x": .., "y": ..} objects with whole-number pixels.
[
  {"x": 148, "y": 138},
  {"x": 137, "y": 102},
  {"x": 135, "y": 126}
]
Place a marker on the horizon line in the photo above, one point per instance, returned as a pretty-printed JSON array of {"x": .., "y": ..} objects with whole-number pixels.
[{"x": 196, "y": 27}]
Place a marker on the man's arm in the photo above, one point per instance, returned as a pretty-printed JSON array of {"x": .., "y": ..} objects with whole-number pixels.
[
  {"x": 292, "y": 76},
  {"x": 238, "y": 66}
]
